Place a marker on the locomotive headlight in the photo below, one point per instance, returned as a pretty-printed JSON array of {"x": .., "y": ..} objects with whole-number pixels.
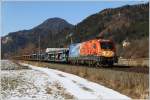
[
  {"x": 108, "y": 53},
  {"x": 104, "y": 53}
]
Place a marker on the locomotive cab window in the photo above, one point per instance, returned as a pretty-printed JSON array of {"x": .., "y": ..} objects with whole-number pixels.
[{"x": 106, "y": 45}]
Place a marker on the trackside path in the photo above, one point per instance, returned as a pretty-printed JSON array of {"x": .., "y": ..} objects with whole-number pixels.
[{"x": 78, "y": 87}]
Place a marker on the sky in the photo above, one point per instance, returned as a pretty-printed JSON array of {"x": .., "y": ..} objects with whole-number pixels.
[{"x": 24, "y": 15}]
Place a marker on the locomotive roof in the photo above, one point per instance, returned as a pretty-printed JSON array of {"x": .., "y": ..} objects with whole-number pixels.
[
  {"x": 105, "y": 40},
  {"x": 55, "y": 49}
]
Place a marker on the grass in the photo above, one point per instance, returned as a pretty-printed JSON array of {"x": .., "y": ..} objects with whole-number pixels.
[
  {"x": 9, "y": 84},
  {"x": 134, "y": 85},
  {"x": 61, "y": 91}
]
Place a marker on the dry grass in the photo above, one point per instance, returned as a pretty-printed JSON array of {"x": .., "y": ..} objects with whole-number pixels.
[
  {"x": 9, "y": 83},
  {"x": 49, "y": 90},
  {"x": 61, "y": 91},
  {"x": 134, "y": 85}
]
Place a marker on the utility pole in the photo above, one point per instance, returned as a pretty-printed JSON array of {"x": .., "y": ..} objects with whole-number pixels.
[
  {"x": 119, "y": 14},
  {"x": 70, "y": 35},
  {"x": 71, "y": 40},
  {"x": 39, "y": 48}
]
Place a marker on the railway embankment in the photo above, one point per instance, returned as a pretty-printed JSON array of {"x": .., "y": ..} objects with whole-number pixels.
[
  {"x": 144, "y": 62},
  {"x": 133, "y": 83}
]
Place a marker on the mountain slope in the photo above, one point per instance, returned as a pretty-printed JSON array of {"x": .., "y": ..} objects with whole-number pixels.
[
  {"x": 117, "y": 22},
  {"x": 54, "y": 24},
  {"x": 130, "y": 22},
  {"x": 25, "y": 41}
]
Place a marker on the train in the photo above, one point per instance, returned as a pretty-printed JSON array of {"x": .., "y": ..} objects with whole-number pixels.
[{"x": 95, "y": 52}]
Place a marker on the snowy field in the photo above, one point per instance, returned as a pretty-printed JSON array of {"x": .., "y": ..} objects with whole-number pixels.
[{"x": 36, "y": 83}]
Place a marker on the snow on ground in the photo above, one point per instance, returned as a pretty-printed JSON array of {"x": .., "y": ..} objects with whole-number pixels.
[
  {"x": 80, "y": 88},
  {"x": 37, "y": 83},
  {"x": 28, "y": 84},
  {"x": 8, "y": 65}
]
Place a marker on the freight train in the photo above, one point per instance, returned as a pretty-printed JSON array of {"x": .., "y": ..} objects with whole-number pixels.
[{"x": 94, "y": 52}]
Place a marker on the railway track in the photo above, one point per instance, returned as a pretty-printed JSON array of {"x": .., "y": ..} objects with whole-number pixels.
[{"x": 117, "y": 67}]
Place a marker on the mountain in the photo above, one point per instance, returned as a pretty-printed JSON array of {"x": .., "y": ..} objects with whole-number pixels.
[
  {"x": 127, "y": 23},
  {"x": 120, "y": 23},
  {"x": 54, "y": 24},
  {"x": 51, "y": 32}
]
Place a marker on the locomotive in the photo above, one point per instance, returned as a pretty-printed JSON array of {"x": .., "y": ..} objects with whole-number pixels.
[{"x": 93, "y": 52}]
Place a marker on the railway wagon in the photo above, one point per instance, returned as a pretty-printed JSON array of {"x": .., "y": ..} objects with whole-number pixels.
[
  {"x": 93, "y": 52},
  {"x": 56, "y": 54}
]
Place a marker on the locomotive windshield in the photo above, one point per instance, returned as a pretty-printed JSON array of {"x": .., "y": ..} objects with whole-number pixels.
[{"x": 106, "y": 45}]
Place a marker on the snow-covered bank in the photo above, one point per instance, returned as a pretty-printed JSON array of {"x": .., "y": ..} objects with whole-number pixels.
[
  {"x": 9, "y": 65},
  {"x": 80, "y": 88},
  {"x": 29, "y": 84}
]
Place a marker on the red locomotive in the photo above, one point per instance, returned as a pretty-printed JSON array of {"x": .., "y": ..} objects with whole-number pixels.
[{"x": 96, "y": 51}]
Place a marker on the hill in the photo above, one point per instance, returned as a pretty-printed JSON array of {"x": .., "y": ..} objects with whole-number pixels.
[
  {"x": 51, "y": 32},
  {"x": 128, "y": 23}
]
